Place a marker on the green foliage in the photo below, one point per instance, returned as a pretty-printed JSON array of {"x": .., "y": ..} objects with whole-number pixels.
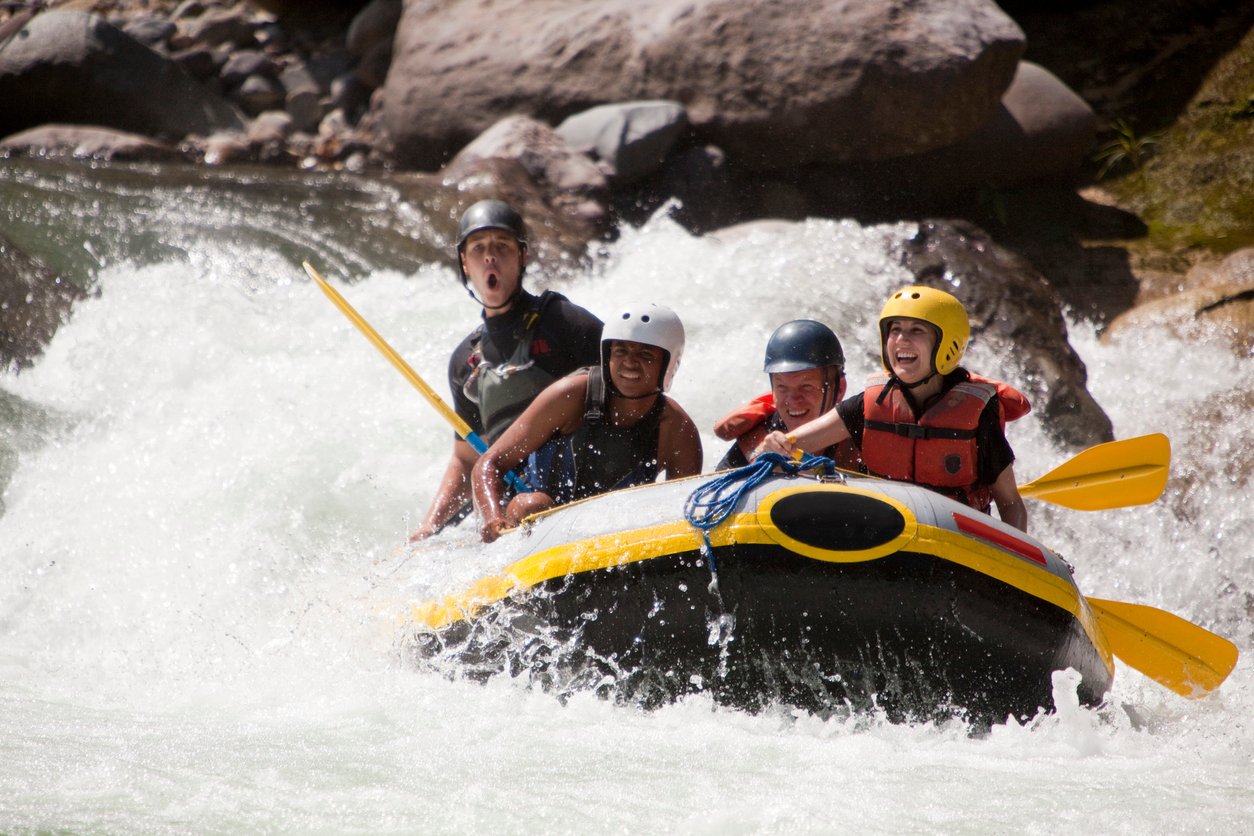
[{"x": 1126, "y": 149}]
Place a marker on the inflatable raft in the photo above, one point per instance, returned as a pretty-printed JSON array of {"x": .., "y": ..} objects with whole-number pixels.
[{"x": 814, "y": 592}]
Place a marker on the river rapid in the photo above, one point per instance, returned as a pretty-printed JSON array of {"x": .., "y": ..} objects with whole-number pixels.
[{"x": 208, "y": 478}]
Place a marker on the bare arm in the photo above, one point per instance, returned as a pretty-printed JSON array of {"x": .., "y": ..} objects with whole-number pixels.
[
  {"x": 1010, "y": 505},
  {"x": 829, "y": 428},
  {"x": 679, "y": 443},
  {"x": 452, "y": 494},
  {"x": 557, "y": 408}
]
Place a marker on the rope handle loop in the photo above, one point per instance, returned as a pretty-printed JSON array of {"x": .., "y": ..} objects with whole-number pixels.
[{"x": 713, "y": 501}]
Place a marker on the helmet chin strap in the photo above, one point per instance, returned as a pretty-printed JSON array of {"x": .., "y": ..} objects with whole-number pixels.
[
  {"x": 513, "y": 298},
  {"x": 894, "y": 380}
]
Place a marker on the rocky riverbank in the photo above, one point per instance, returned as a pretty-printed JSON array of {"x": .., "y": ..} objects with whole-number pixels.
[{"x": 737, "y": 111}]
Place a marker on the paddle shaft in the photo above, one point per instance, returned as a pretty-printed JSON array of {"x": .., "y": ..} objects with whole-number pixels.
[{"x": 463, "y": 429}]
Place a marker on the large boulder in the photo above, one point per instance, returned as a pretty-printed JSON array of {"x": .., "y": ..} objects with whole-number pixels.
[
  {"x": 774, "y": 83},
  {"x": 1013, "y": 306},
  {"x": 72, "y": 67}
]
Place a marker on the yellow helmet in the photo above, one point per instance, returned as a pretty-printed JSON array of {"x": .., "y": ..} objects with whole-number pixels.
[{"x": 938, "y": 309}]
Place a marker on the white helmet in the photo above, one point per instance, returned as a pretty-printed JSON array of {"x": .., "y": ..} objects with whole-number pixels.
[{"x": 650, "y": 324}]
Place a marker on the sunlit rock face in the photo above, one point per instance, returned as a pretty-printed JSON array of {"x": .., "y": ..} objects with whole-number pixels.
[{"x": 776, "y": 85}]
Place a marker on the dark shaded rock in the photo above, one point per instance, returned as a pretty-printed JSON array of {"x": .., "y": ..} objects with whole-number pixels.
[
  {"x": 34, "y": 302},
  {"x": 1011, "y": 304},
  {"x": 244, "y": 63},
  {"x": 698, "y": 180},
  {"x": 373, "y": 25},
  {"x": 69, "y": 67},
  {"x": 301, "y": 96},
  {"x": 259, "y": 93},
  {"x": 1041, "y": 131},
  {"x": 199, "y": 62},
  {"x": 372, "y": 69}
]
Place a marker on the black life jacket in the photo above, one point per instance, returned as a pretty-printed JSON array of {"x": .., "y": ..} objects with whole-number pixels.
[
  {"x": 600, "y": 457},
  {"x": 504, "y": 390}
]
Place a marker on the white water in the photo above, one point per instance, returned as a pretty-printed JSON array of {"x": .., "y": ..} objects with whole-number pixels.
[{"x": 202, "y": 570}]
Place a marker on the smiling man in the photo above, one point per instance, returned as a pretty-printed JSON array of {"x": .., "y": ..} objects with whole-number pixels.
[
  {"x": 524, "y": 343},
  {"x": 926, "y": 419},
  {"x": 611, "y": 426},
  {"x": 806, "y": 365}
]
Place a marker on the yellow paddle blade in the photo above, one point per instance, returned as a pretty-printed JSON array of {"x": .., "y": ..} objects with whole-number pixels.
[
  {"x": 1112, "y": 475},
  {"x": 1186, "y": 658}
]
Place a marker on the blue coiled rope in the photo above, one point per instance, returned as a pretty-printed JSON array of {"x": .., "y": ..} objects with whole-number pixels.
[{"x": 713, "y": 501}]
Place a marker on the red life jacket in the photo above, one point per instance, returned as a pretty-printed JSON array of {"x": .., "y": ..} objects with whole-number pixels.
[
  {"x": 938, "y": 450},
  {"x": 748, "y": 425}
]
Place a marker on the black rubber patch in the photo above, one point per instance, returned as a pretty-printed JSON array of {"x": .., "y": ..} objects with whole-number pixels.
[{"x": 837, "y": 521}]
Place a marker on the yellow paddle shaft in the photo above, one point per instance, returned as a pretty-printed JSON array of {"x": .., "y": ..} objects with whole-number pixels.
[{"x": 463, "y": 429}]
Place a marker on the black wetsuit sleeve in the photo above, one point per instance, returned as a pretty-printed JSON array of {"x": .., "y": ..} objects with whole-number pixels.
[
  {"x": 850, "y": 411},
  {"x": 733, "y": 459},
  {"x": 572, "y": 338},
  {"x": 459, "y": 370},
  {"x": 994, "y": 450}
]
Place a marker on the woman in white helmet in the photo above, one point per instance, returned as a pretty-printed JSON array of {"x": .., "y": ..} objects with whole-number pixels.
[{"x": 607, "y": 427}]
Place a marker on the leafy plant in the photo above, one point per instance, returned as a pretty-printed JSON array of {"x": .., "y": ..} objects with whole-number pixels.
[{"x": 1127, "y": 148}]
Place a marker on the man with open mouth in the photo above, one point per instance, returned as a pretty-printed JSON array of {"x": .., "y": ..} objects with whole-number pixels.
[{"x": 524, "y": 343}]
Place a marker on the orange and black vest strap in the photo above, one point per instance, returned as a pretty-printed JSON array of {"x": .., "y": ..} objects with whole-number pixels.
[
  {"x": 745, "y": 418},
  {"x": 750, "y": 423},
  {"x": 937, "y": 450}
]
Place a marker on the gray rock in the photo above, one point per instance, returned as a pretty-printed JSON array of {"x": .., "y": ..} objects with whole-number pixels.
[
  {"x": 633, "y": 137},
  {"x": 258, "y": 93},
  {"x": 272, "y": 126},
  {"x": 1042, "y": 131},
  {"x": 301, "y": 97},
  {"x": 70, "y": 67}
]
